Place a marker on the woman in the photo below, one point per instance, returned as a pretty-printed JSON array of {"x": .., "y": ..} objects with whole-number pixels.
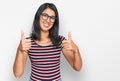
[{"x": 44, "y": 47}]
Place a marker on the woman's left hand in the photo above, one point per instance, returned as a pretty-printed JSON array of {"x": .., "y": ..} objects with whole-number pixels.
[
  {"x": 68, "y": 44},
  {"x": 71, "y": 53}
]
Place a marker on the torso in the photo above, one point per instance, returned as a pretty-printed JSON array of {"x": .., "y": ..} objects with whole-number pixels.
[{"x": 45, "y": 61}]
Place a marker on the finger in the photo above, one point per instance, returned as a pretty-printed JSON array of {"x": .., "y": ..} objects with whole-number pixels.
[
  {"x": 27, "y": 40},
  {"x": 67, "y": 48},
  {"x": 69, "y": 36},
  {"x": 65, "y": 44},
  {"x": 64, "y": 41},
  {"x": 22, "y": 35},
  {"x": 27, "y": 48},
  {"x": 27, "y": 44}
]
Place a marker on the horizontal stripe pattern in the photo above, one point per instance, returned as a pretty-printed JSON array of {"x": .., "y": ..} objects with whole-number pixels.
[{"x": 45, "y": 61}]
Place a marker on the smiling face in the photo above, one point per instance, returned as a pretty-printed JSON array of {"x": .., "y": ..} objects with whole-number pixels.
[{"x": 47, "y": 19}]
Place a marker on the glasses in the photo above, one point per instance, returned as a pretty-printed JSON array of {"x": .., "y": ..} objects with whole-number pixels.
[{"x": 46, "y": 16}]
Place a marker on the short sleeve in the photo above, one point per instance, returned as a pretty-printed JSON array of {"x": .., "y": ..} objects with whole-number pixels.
[
  {"x": 31, "y": 44},
  {"x": 61, "y": 39}
]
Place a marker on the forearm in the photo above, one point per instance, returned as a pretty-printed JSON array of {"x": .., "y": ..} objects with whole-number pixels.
[
  {"x": 72, "y": 54},
  {"x": 77, "y": 62},
  {"x": 75, "y": 59},
  {"x": 19, "y": 63}
]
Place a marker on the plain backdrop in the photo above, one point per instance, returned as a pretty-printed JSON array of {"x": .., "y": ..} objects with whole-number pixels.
[{"x": 95, "y": 28}]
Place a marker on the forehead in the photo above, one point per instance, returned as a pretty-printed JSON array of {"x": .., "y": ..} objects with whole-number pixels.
[{"x": 49, "y": 12}]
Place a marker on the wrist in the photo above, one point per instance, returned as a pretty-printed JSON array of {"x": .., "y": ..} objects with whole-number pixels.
[
  {"x": 75, "y": 49},
  {"x": 20, "y": 50}
]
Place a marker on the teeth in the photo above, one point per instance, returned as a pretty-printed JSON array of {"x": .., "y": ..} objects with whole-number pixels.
[{"x": 46, "y": 24}]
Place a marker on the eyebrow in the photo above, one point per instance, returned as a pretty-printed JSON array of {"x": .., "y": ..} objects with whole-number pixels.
[{"x": 49, "y": 15}]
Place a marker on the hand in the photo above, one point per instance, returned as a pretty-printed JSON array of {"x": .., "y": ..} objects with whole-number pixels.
[
  {"x": 69, "y": 44},
  {"x": 25, "y": 44}
]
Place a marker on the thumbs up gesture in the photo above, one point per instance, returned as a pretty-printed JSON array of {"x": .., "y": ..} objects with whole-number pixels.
[
  {"x": 68, "y": 44},
  {"x": 25, "y": 44}
]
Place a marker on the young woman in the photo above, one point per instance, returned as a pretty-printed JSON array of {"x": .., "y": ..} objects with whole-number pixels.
[{"x": 44, "y": 47}]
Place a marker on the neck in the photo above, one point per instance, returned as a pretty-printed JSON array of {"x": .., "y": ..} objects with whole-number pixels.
[
  {"x": 44, "y": 35},
  {"x": 44, "y": 40}
]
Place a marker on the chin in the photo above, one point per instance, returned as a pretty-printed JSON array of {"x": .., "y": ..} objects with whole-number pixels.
[{"x": 45, "y": 29}]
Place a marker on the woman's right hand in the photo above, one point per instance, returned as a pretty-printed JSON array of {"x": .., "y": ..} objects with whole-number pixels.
[
  {"x": 25, "y": 43},
  {"x": 21, "y": 56}
]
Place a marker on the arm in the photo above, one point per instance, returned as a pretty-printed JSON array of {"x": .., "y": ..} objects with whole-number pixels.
[
  {"x": 72, "y": 54},
  {"x": 19, "y": 64},
  {"x": 21, "y": 56}
]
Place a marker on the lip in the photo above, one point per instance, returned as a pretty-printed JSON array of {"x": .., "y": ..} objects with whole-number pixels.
[{"x": 46, "y": 25}]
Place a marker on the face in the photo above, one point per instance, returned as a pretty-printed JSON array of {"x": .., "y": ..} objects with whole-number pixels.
[{"x": 47, "y": 19}]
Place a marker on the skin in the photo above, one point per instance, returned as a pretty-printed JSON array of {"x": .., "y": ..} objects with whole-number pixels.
[{"x": 70, "y": 49}]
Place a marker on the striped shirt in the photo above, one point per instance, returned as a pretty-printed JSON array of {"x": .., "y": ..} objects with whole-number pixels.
[{"x": 45, "y": 61}]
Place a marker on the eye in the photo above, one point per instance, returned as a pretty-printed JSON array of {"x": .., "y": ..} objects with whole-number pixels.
[
  {"x": 52, "y": 17},
  {"x": 44, "y": 14}
]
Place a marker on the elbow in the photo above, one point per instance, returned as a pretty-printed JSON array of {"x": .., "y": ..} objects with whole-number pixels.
[
  {"x": 78, "y": 67},
  {"x": 17, "y": 74}
]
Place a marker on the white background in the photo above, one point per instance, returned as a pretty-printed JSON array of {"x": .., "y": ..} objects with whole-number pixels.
[{"x": 95, "y": 28}]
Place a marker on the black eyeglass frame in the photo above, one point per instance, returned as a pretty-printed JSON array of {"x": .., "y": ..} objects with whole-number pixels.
[{"x": 45, "y": 16}]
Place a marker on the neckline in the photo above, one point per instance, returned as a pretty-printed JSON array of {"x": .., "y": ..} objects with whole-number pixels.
[{"x": 42, "y": 45}]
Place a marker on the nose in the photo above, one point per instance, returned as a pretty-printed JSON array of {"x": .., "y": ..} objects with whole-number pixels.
[{"x": 48, "y": 20}]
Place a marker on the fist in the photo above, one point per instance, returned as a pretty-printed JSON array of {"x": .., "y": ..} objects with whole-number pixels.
[
  {"x": 25, "y": 44},
  {"x": 68, "y": 44}
]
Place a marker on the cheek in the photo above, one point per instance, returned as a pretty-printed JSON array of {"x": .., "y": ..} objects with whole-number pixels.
[
  {"x": 51, "y": 26},
  {"x": 40, "y": 22}
]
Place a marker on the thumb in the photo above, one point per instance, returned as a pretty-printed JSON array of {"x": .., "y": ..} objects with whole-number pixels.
[
  {"x": 22, "y": 35},
  {"x": 69, "y": 36}
]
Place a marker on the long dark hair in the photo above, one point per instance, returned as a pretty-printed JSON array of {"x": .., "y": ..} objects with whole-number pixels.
[{"x": 54, "y": 31}]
